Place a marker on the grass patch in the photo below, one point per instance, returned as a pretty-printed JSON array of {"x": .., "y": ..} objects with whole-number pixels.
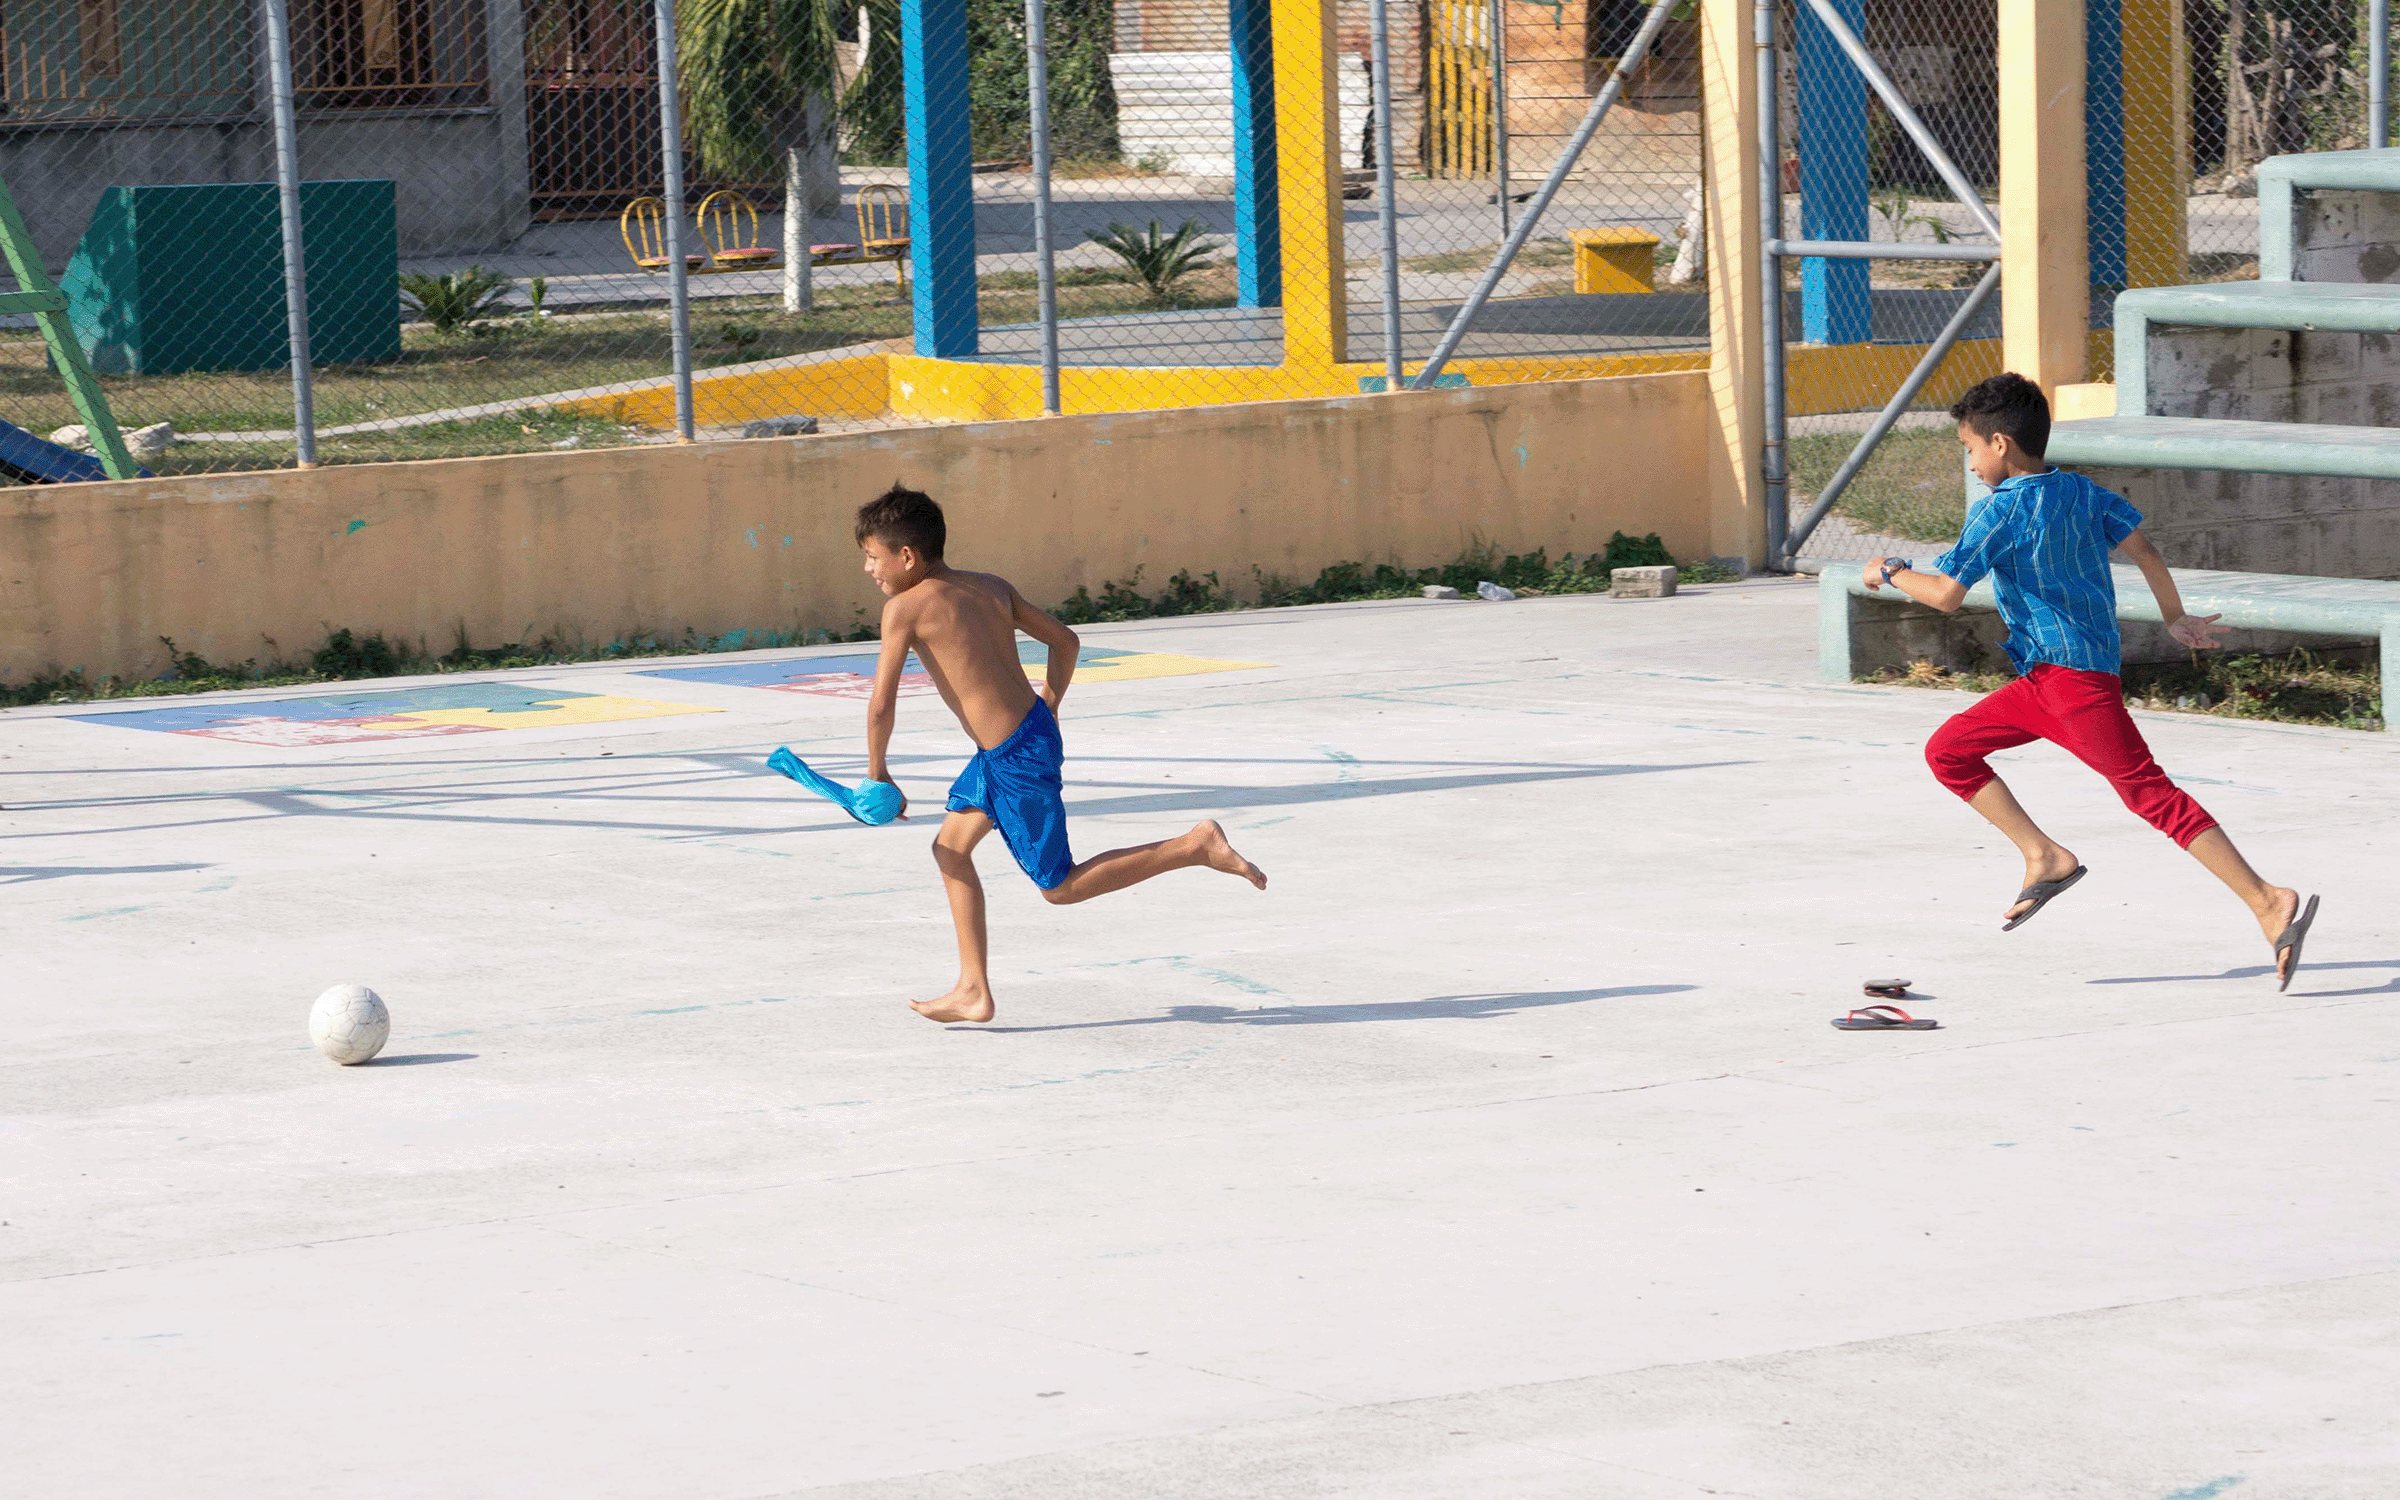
[
  {"x": 511, "y": 358},
  {"x": 1914, "y": 486},
  {"x": 2341, "y": 689},
  {"x": 1537, "y": 254}
]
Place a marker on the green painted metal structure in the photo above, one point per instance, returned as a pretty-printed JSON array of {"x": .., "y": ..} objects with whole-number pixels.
[
  {"x": 190, "y": 276},
  {"x": 37, "y": 295}
]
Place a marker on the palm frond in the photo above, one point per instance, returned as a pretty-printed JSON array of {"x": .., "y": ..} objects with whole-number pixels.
[{"x": 747, "y": 69}]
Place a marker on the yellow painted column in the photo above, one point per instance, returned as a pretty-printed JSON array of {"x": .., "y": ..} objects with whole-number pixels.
[
  {"x": 1736, "y": 334},
  {"x": 2158, "y": 150},
  {"x": 2045, "y": 276},
  {"x": 1308, "y": 142}
]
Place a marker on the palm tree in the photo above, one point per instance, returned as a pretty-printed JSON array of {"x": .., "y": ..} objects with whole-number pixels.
[{"x": 758, "y": 79}]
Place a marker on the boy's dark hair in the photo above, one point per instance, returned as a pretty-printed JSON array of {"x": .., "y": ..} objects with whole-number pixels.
[
  {"x": 902, "y": 517},
  {"x": 2007, "y": 403}
]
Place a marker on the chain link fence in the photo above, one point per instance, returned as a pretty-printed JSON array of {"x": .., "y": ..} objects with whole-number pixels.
[
  {"x": 491, "y": 230},
  {"x": 2176, "y": 123}
]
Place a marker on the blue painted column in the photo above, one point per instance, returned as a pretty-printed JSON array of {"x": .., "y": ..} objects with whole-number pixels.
[
  {"x": 2104, "y": 139},
  {"x": 1257, "y": 201},
  {"x": 1836, "y": 306},
  {"x": 941, "y": 183}
]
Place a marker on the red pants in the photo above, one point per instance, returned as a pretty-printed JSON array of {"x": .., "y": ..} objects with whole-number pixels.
[{"x": 2083, "y": 713}]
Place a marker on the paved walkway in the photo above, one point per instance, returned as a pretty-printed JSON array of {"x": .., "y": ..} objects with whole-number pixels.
[{"x": 1501, "y": 1148}]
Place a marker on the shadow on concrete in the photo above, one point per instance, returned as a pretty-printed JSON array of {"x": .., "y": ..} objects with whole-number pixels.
[
  {"x": 1202, "y": 798},
  {"x": 2308, "y": 970},
  {"x": 444, "y": 802},
  {"x": 1438, "y": 1008},
  {"x": 20, "y": 874},
  {"x": 417, "y": 1059}
]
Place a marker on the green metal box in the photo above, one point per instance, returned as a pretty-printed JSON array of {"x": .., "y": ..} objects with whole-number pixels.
[{"x": 190, "y": 277}]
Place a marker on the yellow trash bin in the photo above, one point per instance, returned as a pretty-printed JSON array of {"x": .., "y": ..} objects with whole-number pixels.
[{"x": 1614, "y": 260}]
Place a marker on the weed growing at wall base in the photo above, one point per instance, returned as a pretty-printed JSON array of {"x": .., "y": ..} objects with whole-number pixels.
[{"x": 346, "y": 656}]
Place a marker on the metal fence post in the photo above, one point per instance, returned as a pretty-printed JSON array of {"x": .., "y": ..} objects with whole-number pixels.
[
  {"x": 1500, "y": 109},
  {"x": 1037, "y": 64},
  {"x": 1773, "y": 466},
  {"x": 2379, "y": 73},
  {"x": 679, "y": 289},
  {"x": 1387, "y": 213},
  {"x": 295, "y": 275}
]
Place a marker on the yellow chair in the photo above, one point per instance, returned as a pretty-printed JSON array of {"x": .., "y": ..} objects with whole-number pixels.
[
  {"x": 729, "y": 228},
  {"x": 883, "y": 228},
  {"x": 644, "y": 227}
]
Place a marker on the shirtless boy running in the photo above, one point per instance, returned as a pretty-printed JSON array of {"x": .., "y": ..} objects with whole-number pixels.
[{"x": 963, "y": 627}]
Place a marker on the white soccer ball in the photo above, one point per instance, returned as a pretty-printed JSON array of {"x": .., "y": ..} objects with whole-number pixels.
[{"x": 349, "y": 1024}]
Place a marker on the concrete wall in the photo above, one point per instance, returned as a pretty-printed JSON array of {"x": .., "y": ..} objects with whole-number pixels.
[
  {"x": 460, "y": 174},
  {"x": 725, "y": 537}
]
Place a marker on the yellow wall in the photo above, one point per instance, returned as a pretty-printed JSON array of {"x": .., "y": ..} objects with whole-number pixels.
[{"x": 590, "y": 547}]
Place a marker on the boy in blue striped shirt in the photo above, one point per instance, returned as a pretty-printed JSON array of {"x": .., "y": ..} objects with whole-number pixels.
[{"x": 2044, "y": 538}]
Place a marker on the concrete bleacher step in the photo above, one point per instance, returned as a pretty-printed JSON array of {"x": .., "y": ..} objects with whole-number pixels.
[
  {"x": 2350, "y": 307},
  {"x": 2217, "y": 443},
  {"x": 2161, "y": 367},
  {"x": 2287, "y": 247}
]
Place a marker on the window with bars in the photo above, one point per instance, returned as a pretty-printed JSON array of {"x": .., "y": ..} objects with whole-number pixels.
[{"x": 388, "y": 54}]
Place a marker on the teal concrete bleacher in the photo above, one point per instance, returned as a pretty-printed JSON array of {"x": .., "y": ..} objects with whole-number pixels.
[
  {"x": 178, "y": 277},
  {"x": 2344, "y": 608}
]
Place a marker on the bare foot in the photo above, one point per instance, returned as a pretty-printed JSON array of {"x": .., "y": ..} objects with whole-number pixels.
[
  {"x": 1218, "y": 853},
  {"x": 2058, "y": 864},
  {"x": 967, "y": 1002},
  {"x": 2282, "y": 905}
]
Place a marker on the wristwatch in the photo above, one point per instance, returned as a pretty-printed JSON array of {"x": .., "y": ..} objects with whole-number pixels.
[{"x": 1893, "y": 565}]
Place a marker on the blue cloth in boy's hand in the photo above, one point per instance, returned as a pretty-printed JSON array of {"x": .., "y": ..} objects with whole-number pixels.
[{"x": 869, "y": 801}]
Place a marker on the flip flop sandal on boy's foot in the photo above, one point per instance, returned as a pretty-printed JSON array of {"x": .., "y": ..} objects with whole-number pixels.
[
  {"x": 2290, "y": 941},
  {"x": 1887, "y": 989},
  {"x": 1883, "y": 1018},
  {"x": 2040, "y": 894}
]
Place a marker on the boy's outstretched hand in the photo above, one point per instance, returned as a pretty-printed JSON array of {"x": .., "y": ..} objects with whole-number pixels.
[{"x": 2200, "y": 632}]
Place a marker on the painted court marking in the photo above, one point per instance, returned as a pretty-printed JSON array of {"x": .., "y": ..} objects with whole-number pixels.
[
  {"x": 854, "y": 676},
  {"x": 402, "y": 714}
]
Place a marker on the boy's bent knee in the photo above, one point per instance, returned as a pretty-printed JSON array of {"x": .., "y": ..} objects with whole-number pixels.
[{"x": 1057, "y": 895}]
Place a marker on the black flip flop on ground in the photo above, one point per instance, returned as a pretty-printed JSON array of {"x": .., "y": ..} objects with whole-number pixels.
[
  {"x": 1888, "y": 989},
  {"x": 2040, "y": 894},
  {"x": 1883, "y": 1018},
  {"x": 2290, "y": 941}
]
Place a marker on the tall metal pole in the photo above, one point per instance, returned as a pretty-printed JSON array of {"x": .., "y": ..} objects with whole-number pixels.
[
  {"x": 1636, "y": 53},
  {"x": 1500, "y": 108},
  {"x": 295, "y": 274},
  {"x": 679, "y": 285},
  {"x": 1773, "y": 465},
  {"x": 1037, "y": 63},
  {"x": 1387, "y": 212},
  {"x": 2379, "y": 73}
]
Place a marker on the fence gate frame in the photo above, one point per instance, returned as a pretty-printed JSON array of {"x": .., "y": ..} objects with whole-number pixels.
[{"x": 1784, "y": 539}]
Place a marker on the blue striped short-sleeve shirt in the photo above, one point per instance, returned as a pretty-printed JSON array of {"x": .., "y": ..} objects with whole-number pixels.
[{"x": 2044, "y": 540}]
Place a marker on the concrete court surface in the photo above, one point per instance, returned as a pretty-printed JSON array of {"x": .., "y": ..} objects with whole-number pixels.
[{"x": 1501, "y": 1148}]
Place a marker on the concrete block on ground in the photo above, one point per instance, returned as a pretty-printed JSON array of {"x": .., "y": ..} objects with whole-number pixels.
[{"x": 1641, "y": 583}]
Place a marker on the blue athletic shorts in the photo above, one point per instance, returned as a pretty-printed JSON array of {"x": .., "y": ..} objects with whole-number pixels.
[{"x": 1016, "y": 784}]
